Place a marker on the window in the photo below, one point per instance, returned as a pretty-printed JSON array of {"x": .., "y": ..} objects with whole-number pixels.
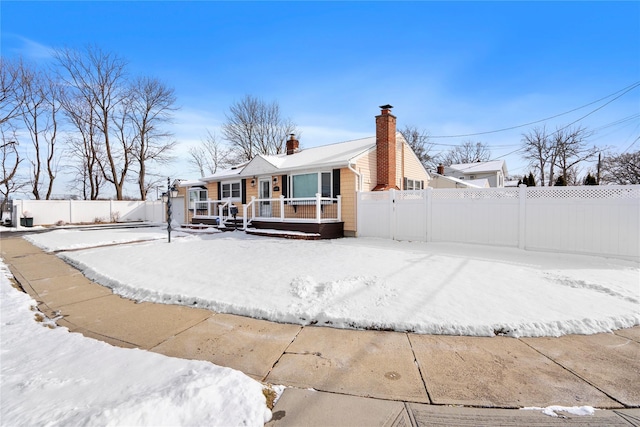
[
  {"x": 413, "y": 184},
  {"x": 230, "y": 189},
  {"x": 308, "y": 184},
  {"x": 197, "y": 195}
]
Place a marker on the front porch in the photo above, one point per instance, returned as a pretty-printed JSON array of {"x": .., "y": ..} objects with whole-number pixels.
[{"x": 321, "y": 216}]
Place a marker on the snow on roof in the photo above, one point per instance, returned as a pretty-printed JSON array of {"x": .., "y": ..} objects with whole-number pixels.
[
  {"x": 190, "y": 183},
  {"x": 225, "y": 173},
  {"x": 478, "y": 167},
  {"x": 338, "y": 154},
  {"x": 471, "y": 183},
  {"x": 480, "y": 183}
]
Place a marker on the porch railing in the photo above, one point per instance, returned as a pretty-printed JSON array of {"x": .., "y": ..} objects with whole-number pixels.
[
  {"x": 211, "y": 209},
  {"x": 294, "y": 209}
]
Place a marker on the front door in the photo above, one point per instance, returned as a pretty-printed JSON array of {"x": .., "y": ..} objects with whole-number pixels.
[{"x": 264, "y": 192}]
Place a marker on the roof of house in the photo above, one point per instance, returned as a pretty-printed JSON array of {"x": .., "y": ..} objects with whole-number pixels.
[
  {"x": 480, "y": 167},
  {"x": 328, "y": 156},
  {"x": 332, "y": 155}
]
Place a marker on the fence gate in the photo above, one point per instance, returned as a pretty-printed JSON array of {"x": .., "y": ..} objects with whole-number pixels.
[{"x": 400, "y": 215}]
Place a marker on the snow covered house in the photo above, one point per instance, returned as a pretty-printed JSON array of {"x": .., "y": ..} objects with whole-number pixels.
[
  {"x": 311, "y": 190},
  {"x": 494, "y": 171}
]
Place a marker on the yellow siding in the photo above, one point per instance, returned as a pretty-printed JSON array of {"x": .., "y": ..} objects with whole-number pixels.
[
  {"x": 348, "y": 196},
  {"x": 366, "y": 166},
  {"x": 413, "y": 169}
]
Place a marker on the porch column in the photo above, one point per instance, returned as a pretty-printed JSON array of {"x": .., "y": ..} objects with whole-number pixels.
[
  {"x": 282, "y": 208},
  {"x": 253, "y": 207},
  {"x": 339, "y": 208},
  {"x": 318, "y": 208},
  {"x": 244, "y": 217}
]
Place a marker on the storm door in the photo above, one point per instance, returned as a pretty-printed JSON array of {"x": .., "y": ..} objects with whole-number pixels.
[{"x": 264, "y": 192}]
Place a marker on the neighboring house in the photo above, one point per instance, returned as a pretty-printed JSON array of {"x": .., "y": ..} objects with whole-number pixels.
[
  {"x": 494, "y": 171},
  {"x": 313, "y": 189},
  {"x": 439, "y": 180}
]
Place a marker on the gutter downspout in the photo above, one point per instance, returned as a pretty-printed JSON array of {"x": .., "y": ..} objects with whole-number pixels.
[{"x": 358, "y": 174}]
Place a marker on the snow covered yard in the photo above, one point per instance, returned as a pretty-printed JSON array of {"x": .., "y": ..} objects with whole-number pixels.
[
  {"x": 436, "y": 288},
  {"x": 51, "y": 377}
]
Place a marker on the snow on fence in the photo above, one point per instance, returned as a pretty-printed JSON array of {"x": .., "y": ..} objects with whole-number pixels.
[
  {"x": 597, "y": 220},
  {"x": 49, "y": 212}
]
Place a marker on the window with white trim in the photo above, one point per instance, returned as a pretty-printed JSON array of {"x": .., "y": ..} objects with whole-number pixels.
[
  {"x": 308, "y": 184},
  {"x": 197, "y": 195},
  {"x": 230, "y": 189},
  {"x": 413, "y": 184}
]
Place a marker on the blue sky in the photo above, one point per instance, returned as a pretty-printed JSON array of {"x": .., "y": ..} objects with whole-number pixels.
[{"x": 449, "y": 68}]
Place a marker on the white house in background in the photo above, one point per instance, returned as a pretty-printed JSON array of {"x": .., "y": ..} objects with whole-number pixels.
[
  {"x": 493, "y": 171},
  {"x": 443, "y": 181}
]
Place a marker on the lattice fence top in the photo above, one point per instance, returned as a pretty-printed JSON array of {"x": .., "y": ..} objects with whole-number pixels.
[
  {"x": 411, "y": 195},
  {"x": 375, "y": 195},
  {"x": 585, "y": 192},
  {"x": 511, "y": 193},
  {"x": 479, "y": 193}
]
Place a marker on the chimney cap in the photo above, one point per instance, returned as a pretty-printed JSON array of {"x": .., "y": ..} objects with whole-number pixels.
[{"x": 386, "y": 107}]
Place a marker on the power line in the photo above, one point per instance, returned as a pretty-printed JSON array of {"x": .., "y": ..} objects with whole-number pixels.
[{"x": 621, "y": 92}]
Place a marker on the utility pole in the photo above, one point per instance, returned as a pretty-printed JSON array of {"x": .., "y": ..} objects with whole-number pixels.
[{"x": 599, "y": 161}]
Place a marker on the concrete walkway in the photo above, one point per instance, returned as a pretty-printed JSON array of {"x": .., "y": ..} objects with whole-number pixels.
[{"x": 364, "y": 378}]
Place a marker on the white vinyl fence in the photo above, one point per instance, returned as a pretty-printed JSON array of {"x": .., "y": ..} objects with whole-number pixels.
[
  {"x": 597, "y": 220},
  {"x": 51, "y": 212}
]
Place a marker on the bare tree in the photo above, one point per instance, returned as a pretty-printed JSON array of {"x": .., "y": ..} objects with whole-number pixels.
[
  {"x": 10, "y": 103},
  {"x": 84, "y": 146},
  {"x": 39, "y": 95},
  {"x": 467, "y": 152},
  {"x": 621, "y": 169},
  {"x": 209, "y": 155},
  {"x": 572, "y": 149},
  {"x": 152, "y": 106},
  {"x": 255, "y": 127},
  {"x": 538, "y": 150},
  {"x": 9, "y": 162},
  {"x": 98, "y": 78},
  {"x": 9, "y": 99},
  {"x": 419, "y": 142}
]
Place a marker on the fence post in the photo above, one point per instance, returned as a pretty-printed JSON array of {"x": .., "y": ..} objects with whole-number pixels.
[
  {"x": 70, "y": 211},
  {"x": 392, "y": 216},
  {"x": 427, "y": 212},
  {"x": 358, "y": 212},
  {"x": 522, "y": 215}
]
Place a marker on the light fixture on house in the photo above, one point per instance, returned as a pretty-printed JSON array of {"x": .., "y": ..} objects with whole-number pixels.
[
  {"x": 275, "y": 180},
  {"x": 253, "y": 182}
]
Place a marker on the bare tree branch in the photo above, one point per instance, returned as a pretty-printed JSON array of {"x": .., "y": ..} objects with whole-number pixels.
[
  {"x": 254, "y": 127},
  {"x": 467, "y": 152}
]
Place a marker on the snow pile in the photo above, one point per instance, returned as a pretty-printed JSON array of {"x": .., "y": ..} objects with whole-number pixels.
[
  {"x": 431, "y": 288},
  {"x": 53, "y": 377},
  {"x": 70, "y": 239},
  {"x": 552, "y": 411}
]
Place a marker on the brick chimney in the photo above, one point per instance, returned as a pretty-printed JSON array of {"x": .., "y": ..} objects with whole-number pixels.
[
  {"x": 441, "y": 169},
  {"x": 292, "y": 144},
  {"x": 386, "y": 149}
]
